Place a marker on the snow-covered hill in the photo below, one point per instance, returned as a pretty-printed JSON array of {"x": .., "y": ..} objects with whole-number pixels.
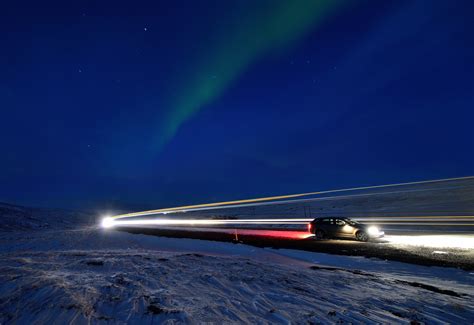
[
  {"x": 449, "y": 198},
  {"x": 13, "y": 217},
  {"x": 90, "y": 275}
]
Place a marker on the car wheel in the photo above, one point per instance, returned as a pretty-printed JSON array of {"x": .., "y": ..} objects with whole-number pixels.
[
  {"x": 362, "y": 236},
  {"x": 320, "y": 234}
]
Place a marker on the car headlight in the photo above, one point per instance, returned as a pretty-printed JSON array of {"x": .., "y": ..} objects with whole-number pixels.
[
  {"x": 107, "y": 222},
  {"x": 373, "y": 230}
]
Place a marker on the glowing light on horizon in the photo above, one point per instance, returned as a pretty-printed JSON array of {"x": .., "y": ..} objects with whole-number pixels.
[{"x": 107, "y": 222}]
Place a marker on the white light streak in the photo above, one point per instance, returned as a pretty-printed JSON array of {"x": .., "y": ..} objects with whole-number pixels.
[
  {"x": 241, "y": 203},
  {"x": 437, "y": 241},
  {"x": 110, "y": 222}
]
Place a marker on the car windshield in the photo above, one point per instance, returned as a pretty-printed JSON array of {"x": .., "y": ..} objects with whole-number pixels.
[{"x": 351, "y": 222}]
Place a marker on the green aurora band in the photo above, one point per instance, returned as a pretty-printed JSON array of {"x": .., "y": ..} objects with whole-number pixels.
[{"x": 274, "y": 28}]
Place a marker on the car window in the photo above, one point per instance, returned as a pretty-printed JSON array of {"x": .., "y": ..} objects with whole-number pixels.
[
  {"x": 326, "y": 221},
  {"x": 340, "y": 222},
  {"x": 352, "y": 222}
]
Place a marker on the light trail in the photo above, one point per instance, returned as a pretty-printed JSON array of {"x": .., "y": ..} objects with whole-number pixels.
[
  {"x": 422, "y": 224},
  {"x": 109, "y": 222},
  {"x": 434, "y": 241},
  {"x": 285, "y": 202},
  {"x": 284, "y": 234},
  {"x": 413, "y": 217},
  {"x": 242, "y": 203}
]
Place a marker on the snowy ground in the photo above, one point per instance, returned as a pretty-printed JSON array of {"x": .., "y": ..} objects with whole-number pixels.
[{"x": 90, "y": 275}]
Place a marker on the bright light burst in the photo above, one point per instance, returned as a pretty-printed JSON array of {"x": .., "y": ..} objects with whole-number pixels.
[
  {"x": 107, "y": 222},
  {"x": 373, "y": 231}
]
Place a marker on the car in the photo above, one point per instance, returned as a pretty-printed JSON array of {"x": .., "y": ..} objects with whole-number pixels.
[{"x": 341, "y": 227}]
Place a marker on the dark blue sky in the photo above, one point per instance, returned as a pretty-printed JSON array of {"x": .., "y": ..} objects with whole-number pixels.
[{"x": 114, "y": 104}]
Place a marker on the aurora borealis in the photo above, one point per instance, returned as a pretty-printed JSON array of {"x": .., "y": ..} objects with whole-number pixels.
[
  {"x": 135, "y": 106},
  {"x": 270, "y": 28}
]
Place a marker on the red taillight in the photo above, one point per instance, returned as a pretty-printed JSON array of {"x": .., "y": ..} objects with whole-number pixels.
[{"x": 310, "y": 227}]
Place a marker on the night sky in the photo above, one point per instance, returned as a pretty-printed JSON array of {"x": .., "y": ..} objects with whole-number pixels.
[{"x": 137, "y": 105}]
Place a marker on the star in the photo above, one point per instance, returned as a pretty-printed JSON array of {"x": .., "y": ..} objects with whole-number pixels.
[{"x": 145, "y": 29}]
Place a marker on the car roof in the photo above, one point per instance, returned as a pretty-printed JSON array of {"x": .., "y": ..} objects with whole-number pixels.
[{"x": 319, "y": 218}]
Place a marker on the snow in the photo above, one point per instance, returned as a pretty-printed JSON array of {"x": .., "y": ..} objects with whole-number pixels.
[
  {"x": 14, "y": 217},
  {"x": 60, "y": 271},
  {"x": 95, "y": 275}
]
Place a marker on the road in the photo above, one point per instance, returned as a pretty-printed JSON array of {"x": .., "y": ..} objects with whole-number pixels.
[
  {"x": 427, "y": 222},
  {"x": 407, "y": 249}
]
